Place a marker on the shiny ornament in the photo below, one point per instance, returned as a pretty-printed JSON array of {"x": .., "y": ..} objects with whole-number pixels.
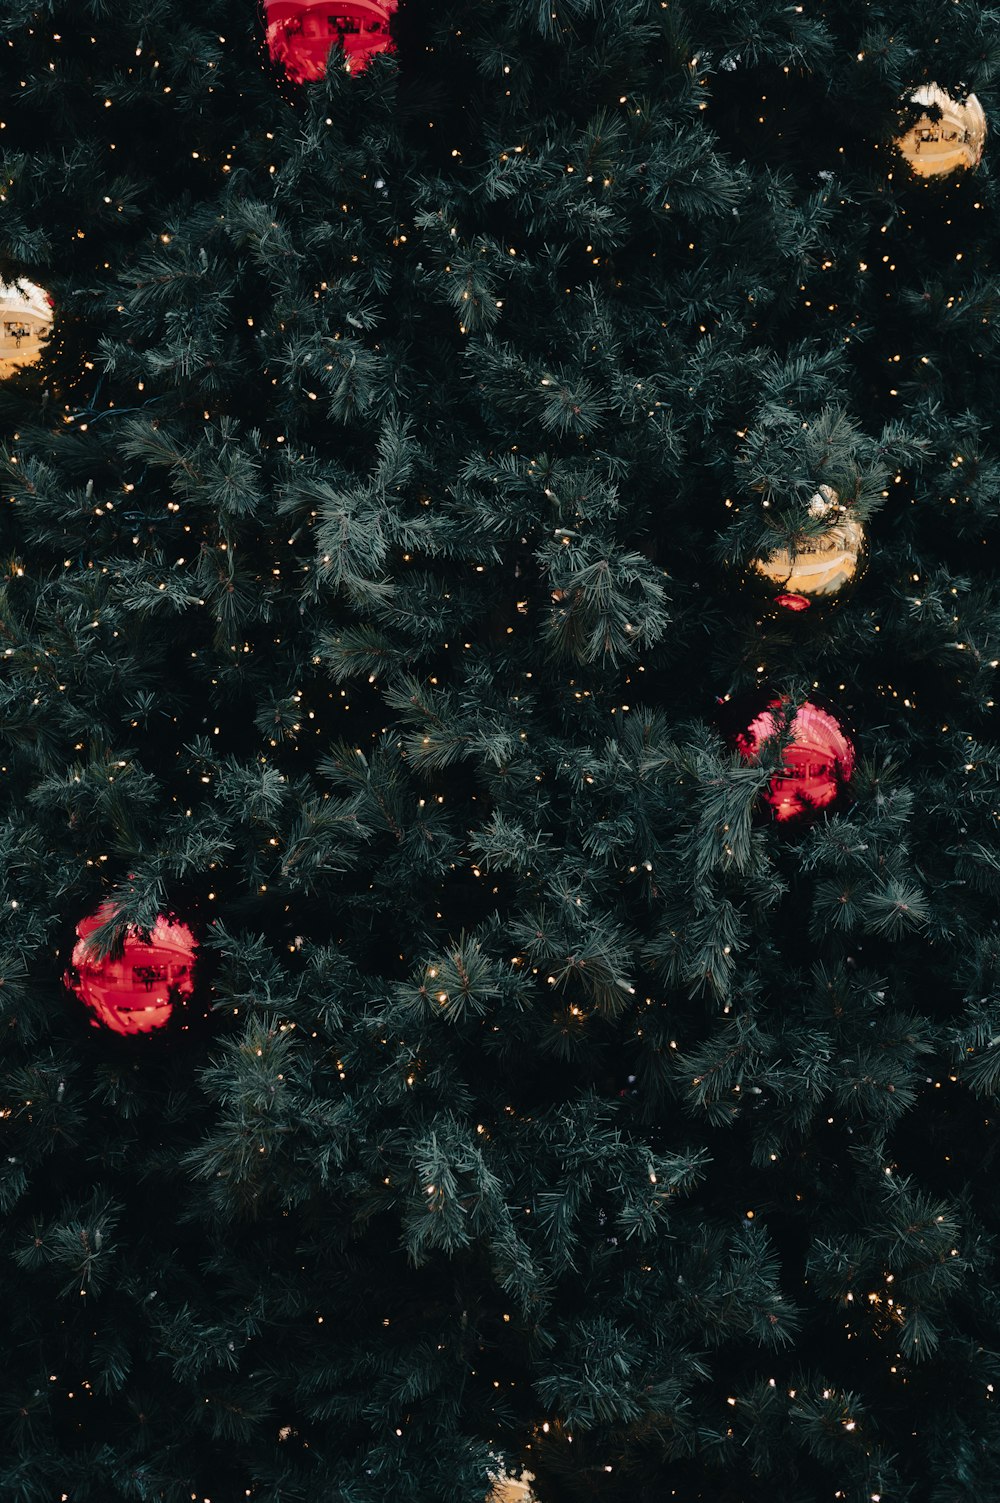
[
  {"x": 818, "y": 758},
  {"x": 136, "y": 991},
  {"x": 25, "y": 325},
  {"x": 508, "y": 1489},
  {"x": 814, "y": 567},
  {"x": 301, "y": 34},
  {"x": 947, "y": 138}
]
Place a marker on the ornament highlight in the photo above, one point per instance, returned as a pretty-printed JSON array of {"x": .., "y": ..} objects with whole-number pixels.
[
  {"x": 136, "y": 991},
  {"x": 25, "y": 325},
  {"x": 301, "y": 34},
  {"x": 818, "y": 759},
  {"x": 815, "y": 567},
  {"x": 948, "y": 137}
]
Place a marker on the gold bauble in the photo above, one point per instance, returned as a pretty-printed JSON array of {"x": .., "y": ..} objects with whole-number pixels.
[
  {"x": 25, "y": 325},
  {"x": 951, "y": 142},
  {"x": 815, "y": 567},
  {"x": 508, "y": 1489}
]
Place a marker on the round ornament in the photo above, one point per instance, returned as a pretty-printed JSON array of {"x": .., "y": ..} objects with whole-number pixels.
[
  {"x": 509, "y": 1489},
  {"x": 25, "y": 325},
  {"x": 818, "y": 759},
  {"x": 136, "y": 991},
  {"x": 301, "y": 34},
  {"x": 947, "y": 137},
  {"x": 815, "y": 567}
]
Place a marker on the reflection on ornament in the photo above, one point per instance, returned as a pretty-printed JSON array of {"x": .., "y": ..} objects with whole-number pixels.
[
  {"x": 134, "y": 992},
  {"x": 302, "y": 33},
  {"x": 948, "y": 137},
  {"x": 508, "y": 1489},
  {"x": 818, "y": 759},
  {"x": 815, "y": 567},
  {"x": 25, "y": 324},
  {"x": 792, "y": 602}
]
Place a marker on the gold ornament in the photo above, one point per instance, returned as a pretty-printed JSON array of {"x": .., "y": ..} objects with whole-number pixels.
[
  {"x": 25, "y": 324},
  {"x": 508, "y": 1489},
  {"x": 948, "y": 137},
  {"x": 815, "y": 566}
]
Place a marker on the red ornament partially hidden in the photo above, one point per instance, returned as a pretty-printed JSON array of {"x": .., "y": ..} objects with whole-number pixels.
[
  {"x": 136, "y": 991},
  {"x": 819, "y": 759},
  {"x": 302, "y": 33}
]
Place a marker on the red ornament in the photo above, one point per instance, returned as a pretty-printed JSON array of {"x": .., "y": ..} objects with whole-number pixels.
[
  {"x": 136, "y": 991},
  {"x": 302, "y": 33},
  {"x": 819, "y": 759}
]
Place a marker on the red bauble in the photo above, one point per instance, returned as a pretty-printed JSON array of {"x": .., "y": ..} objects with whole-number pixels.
[
  {"x": 819, "y": 758},
  {"x": 136, "y": 991},
  {"x": 302, "y": 33}
]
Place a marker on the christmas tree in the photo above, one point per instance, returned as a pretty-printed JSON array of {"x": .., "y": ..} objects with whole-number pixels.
[{"x": 500, "y": 869}]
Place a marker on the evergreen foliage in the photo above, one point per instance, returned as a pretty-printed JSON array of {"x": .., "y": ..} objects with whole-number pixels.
[{"x": 372, "y": 538}]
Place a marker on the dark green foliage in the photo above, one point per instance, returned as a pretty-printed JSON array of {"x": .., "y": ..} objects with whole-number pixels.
[{"x": 372, "y": 538}]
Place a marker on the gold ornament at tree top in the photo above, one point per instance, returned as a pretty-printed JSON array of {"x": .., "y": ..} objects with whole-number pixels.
[
  {"x": 25, "y": 324},
  {"x": 814, "y": 567},
  {"x": 948, "y": 136}
]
